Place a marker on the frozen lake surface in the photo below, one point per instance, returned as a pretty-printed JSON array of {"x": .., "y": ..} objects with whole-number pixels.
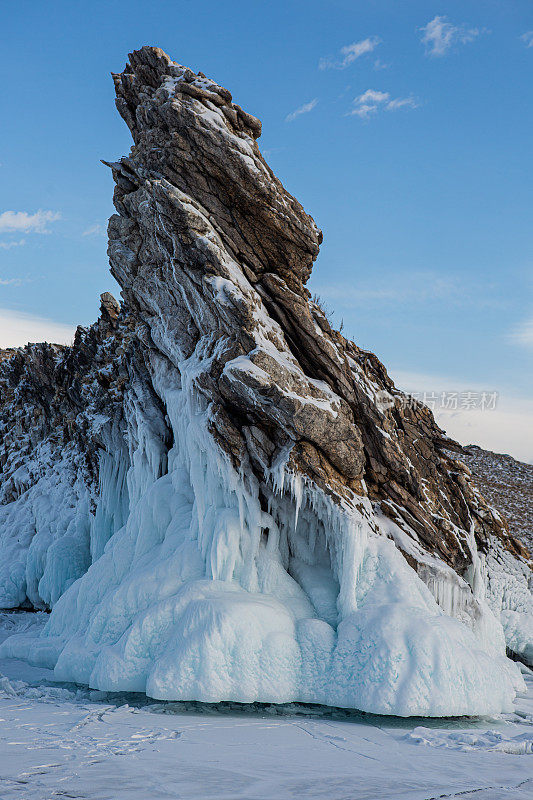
[{"x": 63, "y": 741}]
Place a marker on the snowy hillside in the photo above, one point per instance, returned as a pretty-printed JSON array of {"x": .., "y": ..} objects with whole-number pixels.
[
  {"x": 508, "y": 484},
  {"x": 220, "y": 497}
]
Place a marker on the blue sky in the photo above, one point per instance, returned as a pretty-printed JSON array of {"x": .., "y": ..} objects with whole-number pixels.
[{"x": 404, "y": 128}]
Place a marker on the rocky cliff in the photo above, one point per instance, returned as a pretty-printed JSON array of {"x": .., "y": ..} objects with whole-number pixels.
[{"x": 280, "y": 524}]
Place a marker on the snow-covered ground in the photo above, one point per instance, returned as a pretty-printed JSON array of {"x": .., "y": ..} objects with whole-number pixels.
[{"x": 63, "y": 741}]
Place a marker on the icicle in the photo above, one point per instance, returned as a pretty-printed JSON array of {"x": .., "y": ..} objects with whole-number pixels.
[{"x": 476, "y": 577}]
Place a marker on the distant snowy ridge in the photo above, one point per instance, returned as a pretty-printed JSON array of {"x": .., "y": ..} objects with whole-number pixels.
[
  {"x": 259, "y": 524},
  {"x": 508, "y": 484}
]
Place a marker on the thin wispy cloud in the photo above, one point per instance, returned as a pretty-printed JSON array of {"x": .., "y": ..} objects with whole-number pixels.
[
  {"x": 522, "y": 334},
  {"x": 305, "y": 109},
  {"x": 370, "y": 102},
  {"x": 95, "y": 230},
  {"x": 9, "y": 245},
  {"x": 18, "y": 328},
  {"x": 22, "y": 222},
  {"x": 527, "y": 38},
  {"x": 409, "y": 290},
  {"x": 440, "y": 35},
  {"x": 350, "y": 53},
  {"x": 401, "y": 102},
  {"x": 420, "y": 287},
  {"x": 13, "y": 281}
]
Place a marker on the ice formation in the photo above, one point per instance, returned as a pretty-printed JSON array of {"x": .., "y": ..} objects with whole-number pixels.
[
  {"x": 192, "y": 600},
  {"x": 253, "y": 525}
]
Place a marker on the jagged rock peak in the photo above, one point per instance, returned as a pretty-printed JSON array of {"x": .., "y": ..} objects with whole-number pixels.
[
  {"x": 155, "y": 68},
  {"x": 109, "y": 306},
  {"x": 271, "y": 519},
  {"x": 187, "y": 128}
]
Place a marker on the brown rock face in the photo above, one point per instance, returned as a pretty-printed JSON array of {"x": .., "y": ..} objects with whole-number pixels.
[
  {"x": 263, "y": 227},
  {"x": 207, "y": 239}
]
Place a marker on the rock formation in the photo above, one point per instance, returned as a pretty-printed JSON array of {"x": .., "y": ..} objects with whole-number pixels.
[{"x": 280, "y": 523}]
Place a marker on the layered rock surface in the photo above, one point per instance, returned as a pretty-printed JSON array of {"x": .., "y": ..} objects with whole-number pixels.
[{"x": 293, "y": 529}]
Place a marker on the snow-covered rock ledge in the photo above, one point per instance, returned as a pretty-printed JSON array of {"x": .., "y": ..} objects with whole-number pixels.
[{"x": 233, "y": 514}]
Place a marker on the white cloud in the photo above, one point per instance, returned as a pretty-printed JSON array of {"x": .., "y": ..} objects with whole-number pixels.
[
  {"x": 350, "y": 53},
  {"x": 9, "y": 245},
  {"x": 18, "y": 328},
  {"x": 523, "y": 333},
  {"x": 527, "y": 38},
  {"x": 95, "y": 230},
  {"x": 22, "y": 222},
  {"x": 439, "y": 35},
  {"x": 505, "y": 429},
  {"x": 370, "y": 102},
  {"x": 367, "y": 103},
  {"x": 372, "y": 96},
  {"x": 305, "y": 109}
]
